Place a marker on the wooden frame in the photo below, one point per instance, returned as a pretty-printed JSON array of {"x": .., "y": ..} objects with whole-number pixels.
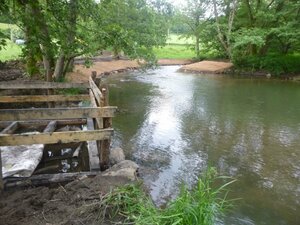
[
  {"x": 44, "y": 98},
  {"x": 97, "y": 119}
]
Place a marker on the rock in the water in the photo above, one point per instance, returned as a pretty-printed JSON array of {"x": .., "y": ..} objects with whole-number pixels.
[
  {"x": 126, "y": 168},
  {"x": 116, "y": 155}
]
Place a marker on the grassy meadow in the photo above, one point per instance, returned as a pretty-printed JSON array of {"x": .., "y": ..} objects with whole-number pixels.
[
  {"x": 176, "y": 48},
  {"x": 11, "y": 51}
]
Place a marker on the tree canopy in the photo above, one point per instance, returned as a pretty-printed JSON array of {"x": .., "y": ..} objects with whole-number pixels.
[{"x": 57, "y": 31}]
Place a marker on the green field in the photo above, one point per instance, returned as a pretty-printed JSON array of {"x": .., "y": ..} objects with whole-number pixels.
[
  {"x": 176, "y": 48},
  {"x": 174, "y": 52},
  {"x": 178, "y": 40},
  {"x": 4, "y": 26},
  {"x": 10, "y": 52}
]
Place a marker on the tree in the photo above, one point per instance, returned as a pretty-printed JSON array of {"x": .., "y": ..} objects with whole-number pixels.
[
  {"x": 224, "y": 35},
  {"x": 58, "y": 31},
  {"x": 194, "y": 16}
]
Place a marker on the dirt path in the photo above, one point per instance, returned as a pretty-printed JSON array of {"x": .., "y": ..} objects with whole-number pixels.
[{"x": 207, "y": 67}]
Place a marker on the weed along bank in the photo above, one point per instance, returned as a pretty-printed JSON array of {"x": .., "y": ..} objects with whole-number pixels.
[{"x": 40, "y": 128}]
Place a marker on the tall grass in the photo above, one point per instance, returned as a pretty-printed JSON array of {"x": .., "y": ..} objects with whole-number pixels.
[{"x": 202, "y": 205}]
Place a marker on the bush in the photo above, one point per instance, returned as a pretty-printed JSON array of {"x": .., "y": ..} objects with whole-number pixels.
[{"x": 274, "y": 64}]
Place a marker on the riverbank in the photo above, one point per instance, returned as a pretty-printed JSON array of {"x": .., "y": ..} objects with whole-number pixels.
[
  {"x": 109, "y": 66},
  {"x": 75, "y": 203}
]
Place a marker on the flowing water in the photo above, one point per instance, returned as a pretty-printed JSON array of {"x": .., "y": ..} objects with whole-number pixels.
[{"x": 175, "y": 125}]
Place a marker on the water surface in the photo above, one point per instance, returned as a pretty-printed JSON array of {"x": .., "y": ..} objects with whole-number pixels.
[{"x": 175, "y": 125}]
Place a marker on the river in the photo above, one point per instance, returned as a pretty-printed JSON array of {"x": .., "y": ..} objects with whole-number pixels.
[{"x": 176, "y": 124}]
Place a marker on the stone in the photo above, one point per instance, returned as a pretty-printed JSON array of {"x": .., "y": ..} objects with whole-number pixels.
[
  {"x": 126, "y": 168},
  {"x": 116, "y": 155}
]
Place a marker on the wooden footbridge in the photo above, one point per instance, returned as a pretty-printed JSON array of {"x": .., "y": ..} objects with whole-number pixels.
[{"x": 97, "y": 118}]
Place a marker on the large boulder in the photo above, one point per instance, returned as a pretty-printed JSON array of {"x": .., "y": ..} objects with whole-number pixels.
[
  {"x": 126, "y": 168},
  {"x": 116, "y": 155}
]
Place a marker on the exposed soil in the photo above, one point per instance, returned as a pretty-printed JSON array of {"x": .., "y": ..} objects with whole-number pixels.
[
  {"x": 10, "y": 71},
  {"x": 207, "y": 67},
  {"x": 169, "y": 62},
  {"x": 78, "y": 202},
  {"x": 81, "y": 73}
]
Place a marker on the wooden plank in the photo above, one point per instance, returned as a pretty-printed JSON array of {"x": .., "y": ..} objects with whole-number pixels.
[
  {"x": 99, "y": 121},
  {"x": 97, "y": 93},
  {"x": 50, "y": 127},
  {"x": 41, "y": 123},
  {"x": 1, "y": 178},
  {"x": 41, "y": 85},
  {"x": 56, "y": 113},
  {"x": 94, "y": 160},
  {"x": 53, "y": 138},
  {"x": 11, "y": 128},
  {"x": 44, "y": 98}
]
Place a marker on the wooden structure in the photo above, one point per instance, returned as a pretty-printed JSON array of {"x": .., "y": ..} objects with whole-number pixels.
[{"x": 97, "y": 118}]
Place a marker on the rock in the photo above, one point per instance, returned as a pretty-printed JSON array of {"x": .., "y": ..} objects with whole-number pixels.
[
  {"x": 126, "y": 168},
  {"x": 268, "y": 75},
  {"x": 116, "y": 155}
]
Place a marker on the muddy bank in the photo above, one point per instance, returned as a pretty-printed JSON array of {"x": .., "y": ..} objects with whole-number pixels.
[{"x": 78, "y": 202}]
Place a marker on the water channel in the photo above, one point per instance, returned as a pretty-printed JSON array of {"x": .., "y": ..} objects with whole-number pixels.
[{"x": 175, "y": 125}]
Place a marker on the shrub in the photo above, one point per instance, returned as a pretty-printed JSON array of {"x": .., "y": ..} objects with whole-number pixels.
[{"x": 274, "y": 64}]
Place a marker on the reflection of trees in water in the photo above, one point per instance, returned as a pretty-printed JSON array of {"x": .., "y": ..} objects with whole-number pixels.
[{"x": 242, "y": 141}]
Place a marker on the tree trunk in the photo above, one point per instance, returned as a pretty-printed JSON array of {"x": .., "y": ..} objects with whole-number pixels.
[
  {"x": 59, "y": 67},
  {"x": 197, "y": 47},
  {"x": 44, "y": 38},
  {"x": 225, "y": 41}
]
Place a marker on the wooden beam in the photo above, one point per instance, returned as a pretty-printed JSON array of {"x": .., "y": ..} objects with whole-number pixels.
[
  {"x": 11, "y": 128},
  {"x": 43, "y": 98},
  {"x": 41, "y": 85},
  {"x": 97, "y": 93},
  {"x": 94, "y": 159},
  {"x": 53, "y": 138},
  {"x": 50, "y": 127},
  {"x": 42, "y": 123},
  {"x": 56, "y": 113},
  {"x": 1, "y": 178},
  {"x": 99, "y": 121}
]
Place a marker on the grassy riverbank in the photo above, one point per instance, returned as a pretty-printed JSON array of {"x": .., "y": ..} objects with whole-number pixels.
[{"x": 201, "y": 205}]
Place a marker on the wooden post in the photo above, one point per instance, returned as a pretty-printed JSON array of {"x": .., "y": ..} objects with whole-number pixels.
[
  {"x": 1, "y": 179},
  {"x": 105, "y": 144}
]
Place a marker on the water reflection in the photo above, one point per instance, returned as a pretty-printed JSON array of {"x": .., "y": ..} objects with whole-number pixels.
[{"x": 174, "y": 125}]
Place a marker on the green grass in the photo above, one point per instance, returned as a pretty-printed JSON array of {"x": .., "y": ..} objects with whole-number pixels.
[
  {"x": 10, "y": 52},
  {"x": 178, "y": 40},
  {"x": 174, "y": 52},
  {"x": 201, "y": 205},
  {"x": 4, "y": 26}
]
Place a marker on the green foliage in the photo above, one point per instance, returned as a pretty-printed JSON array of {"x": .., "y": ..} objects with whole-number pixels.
[
  {"x": 201, "y": 205},
  {"x": 275, "y": 64}
]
